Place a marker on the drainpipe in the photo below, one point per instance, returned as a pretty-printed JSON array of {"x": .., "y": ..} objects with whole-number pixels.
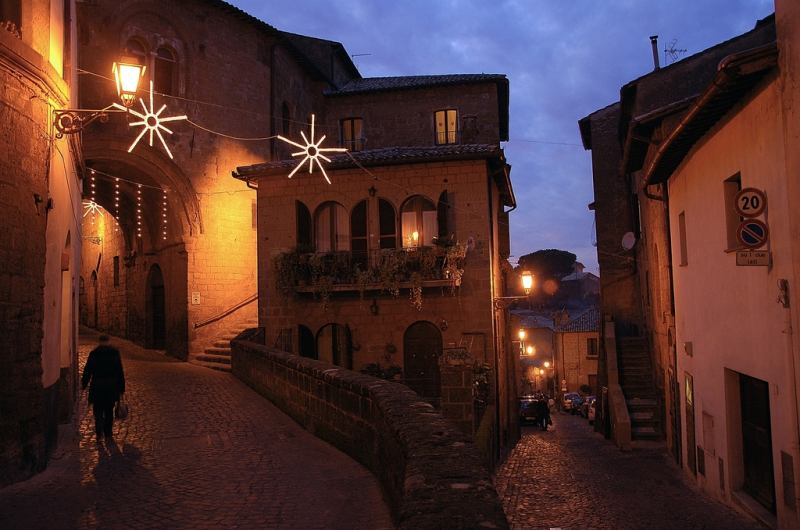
[{"x": 784, "y": 300}]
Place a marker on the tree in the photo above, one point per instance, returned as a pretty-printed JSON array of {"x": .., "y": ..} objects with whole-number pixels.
[{"x": 548, "y": 264}]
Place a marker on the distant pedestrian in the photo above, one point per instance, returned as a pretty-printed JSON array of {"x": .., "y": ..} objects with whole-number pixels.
[{"x": 104, "y": 375}]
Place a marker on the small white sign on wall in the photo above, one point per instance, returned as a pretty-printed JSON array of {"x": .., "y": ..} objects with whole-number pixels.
[{"x": 195, "y": 298}]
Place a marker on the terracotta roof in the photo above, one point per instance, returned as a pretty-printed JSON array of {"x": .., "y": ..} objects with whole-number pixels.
[
  {"x": 375, "y": 84},
  {"x": 386, "y": 156},
  {"x": 587, "y": 321}
]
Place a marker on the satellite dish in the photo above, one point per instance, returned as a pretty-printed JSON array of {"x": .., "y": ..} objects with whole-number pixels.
[{"x": 628, "y": 240}]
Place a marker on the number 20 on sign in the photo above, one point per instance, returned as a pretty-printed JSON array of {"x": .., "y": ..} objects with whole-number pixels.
[{"x": 750, "y": 202}]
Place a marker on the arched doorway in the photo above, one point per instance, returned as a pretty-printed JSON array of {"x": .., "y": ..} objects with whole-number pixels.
[
  {"x": 307, "y": 345},
  {"x": 156, "y": 309},
  {"x": 422, "y": 348},
  {"x": 333, "y": 345}
]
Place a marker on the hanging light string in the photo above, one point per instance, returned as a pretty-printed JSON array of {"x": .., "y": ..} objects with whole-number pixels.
[
  {"x": 116, "y": 204},
  {"x": 120, "y": 179},
  {"x": 278, "y": 119},
  {"x": 164, "y": 215},
  {"x": 139, "y": 211}
]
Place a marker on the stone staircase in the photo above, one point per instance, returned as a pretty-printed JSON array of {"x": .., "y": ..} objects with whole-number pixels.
[
  {"x": 218, "y": 356},
  {"x": 636, "y": 379}
]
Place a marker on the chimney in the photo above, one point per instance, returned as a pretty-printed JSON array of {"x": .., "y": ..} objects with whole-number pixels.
[{"x": 654, "y": 44}]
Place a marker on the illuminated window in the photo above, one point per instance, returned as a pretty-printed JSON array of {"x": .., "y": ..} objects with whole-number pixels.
[
  {"x": 418, "y": 222},
  {"x": 352, "y": 137},
  {"x": 446, "y": 126},
  {"x": 358, "y": 234},
  {"x": 165, "y": 69},
  {"x": 331, "y": 228},
  {"x": 387, "y": 220}
]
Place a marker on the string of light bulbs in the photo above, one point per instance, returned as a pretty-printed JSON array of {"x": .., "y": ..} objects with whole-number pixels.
[
  {"x": 278, "y": 119},
  {"x": 139, "y": 211}
]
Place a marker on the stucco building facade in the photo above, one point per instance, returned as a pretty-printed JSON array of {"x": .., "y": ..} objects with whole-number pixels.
[{"x": 40, "y": 234}]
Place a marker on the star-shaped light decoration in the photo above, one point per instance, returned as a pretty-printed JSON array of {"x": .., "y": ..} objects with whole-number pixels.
[
  {"x": 151, "y": 122},
  {"x": 90, "y": 207},
  {"x": 312, "y": 152}
]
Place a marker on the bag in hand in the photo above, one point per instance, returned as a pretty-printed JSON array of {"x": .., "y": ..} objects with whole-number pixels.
[{"x": 121, "y": 410}]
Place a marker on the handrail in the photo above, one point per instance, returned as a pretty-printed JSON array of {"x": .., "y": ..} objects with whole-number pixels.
[{"x": 250, "y": 299}]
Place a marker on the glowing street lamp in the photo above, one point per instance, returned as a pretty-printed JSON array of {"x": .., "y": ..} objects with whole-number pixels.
[
  {"x": 522, "y": 334},
  {"x": 547, "y": 364},
  {"x": 530, "y": 350},
  {"x": 527, "y": 282},
  {"x": 127, "y": 74}
]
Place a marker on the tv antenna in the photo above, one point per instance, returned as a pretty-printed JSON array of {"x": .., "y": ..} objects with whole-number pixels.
[{"x": 671, "y": 53}]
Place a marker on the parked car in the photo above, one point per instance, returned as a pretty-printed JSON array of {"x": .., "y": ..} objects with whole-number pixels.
[
  {"x": 592, "y": 411},
  {"x": 529, "y": 409},
  {"x": 587, "y": 401},
  {"x": 571, "y": 402}
]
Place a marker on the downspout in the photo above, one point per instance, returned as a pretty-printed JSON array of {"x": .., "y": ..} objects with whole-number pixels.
[{"x": 674, "y": 388}]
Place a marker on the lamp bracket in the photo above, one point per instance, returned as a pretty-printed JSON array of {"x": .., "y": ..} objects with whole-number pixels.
[
  {"x": 71, "y": 121},
  {"x": 501, "y": 302}
]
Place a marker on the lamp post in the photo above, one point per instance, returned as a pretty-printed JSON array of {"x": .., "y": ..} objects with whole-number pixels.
[{"x": 127, "y": 75}]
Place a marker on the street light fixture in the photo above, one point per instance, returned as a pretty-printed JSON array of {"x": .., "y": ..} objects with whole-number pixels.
[
  {"x": 547, "y": 364},
  {"x": 530, "y": 350},
  {"x": 527, "y": 282},
  {"x": 500, "y": 302},
  {"x": 522, "y": 334},
  {"x": 127, "y": 74}
]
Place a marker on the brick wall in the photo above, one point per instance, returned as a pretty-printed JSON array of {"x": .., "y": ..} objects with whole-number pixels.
[{"x": 430, "y": 472}]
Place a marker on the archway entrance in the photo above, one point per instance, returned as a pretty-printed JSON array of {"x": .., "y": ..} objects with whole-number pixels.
[
  {"x": 307, "y": 346},
  {"x": 422, "y": 348},
  {"x": 156, "y": 310}
]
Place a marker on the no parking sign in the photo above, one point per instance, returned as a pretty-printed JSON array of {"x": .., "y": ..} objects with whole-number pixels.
[{"x": 752, "y": 233}]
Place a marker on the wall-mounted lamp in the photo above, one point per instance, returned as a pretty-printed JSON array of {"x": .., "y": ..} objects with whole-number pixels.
[
  {"x": 500, "y": 302},
  {"x": 127, "y": 74}
]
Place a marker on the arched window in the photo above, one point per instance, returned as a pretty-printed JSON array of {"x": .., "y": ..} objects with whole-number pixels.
[
  {"x": 305, "y": 339},
  {"x": 331, "y": 228},
  {"x": 387, "y": 220},
  {"x": 358, "y": 234},
  {"x": 418, "y": 222},
  {"x": 165, "y": 70},
  {"x": 135, "y": 48},
  {"x": 303, "y": 219},
  {"x": 333, "y": 345}
]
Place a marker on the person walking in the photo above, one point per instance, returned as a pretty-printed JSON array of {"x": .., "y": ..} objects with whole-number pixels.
[{"x": 105, "y": 377}]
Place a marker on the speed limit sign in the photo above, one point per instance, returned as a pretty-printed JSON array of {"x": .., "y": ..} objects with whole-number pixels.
[{"x": 750, "y": 202}]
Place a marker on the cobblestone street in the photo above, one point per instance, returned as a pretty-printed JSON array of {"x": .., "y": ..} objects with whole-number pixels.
[
  {"x": 572, "y": 478},
  {"x": 199, "y": 450}
]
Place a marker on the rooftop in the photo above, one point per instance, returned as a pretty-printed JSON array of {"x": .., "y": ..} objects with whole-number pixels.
[
  {"x": 587, "y": 321},
  {"x": 376, "y": 84}
]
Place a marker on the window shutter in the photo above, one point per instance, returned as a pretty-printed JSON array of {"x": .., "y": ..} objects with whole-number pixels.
[{"x": 303, "y": 226}]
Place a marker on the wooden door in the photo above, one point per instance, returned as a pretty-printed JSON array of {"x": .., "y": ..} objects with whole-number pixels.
[
  {"x": 759, "y": 480},
  {"x": 422, "y": 348}
]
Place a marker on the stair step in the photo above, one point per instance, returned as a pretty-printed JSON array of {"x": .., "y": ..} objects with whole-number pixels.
[
  {"x": 214, "y": 366},
  {"x": 219, "y": 351},
  {"x": 645, "y": 432},
  {"x": 222, "y": 343},
  {"x": 211, "y": 358},
  {"x": 642, "y": 416}
]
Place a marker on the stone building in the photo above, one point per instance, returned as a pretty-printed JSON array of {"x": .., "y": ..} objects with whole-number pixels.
[
  {"x": 182, "y": 273},
  {"x": 633, "y": 242},
  {"x": 392, "y": 269},
  {"x": 40, "y": 235},
  {"x": 576, "y": 349},
  {"x": 532, "y": 349}
]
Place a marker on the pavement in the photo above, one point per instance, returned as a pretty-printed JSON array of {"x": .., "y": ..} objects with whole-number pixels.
[
  {"x": 570, "y": 477},
  {"x": 199, "y": 450}
]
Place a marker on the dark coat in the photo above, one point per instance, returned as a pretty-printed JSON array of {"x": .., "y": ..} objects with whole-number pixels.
[{"x": 104, "y": 370}]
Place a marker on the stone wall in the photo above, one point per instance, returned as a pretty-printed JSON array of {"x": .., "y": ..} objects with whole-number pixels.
[{"x": 431, "y": 473}]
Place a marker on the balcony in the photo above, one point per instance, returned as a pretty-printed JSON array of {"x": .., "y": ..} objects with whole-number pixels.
[{"x": 384, "y": 271}]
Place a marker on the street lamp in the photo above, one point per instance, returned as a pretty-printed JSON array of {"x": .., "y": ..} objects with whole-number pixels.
[
  {"x": 127, "y": 74},
  {"x": 530, "y": 350},
  {"x": 527, "y": 282},
  {"x": 521, "y": 333},
  {"x": 547, "y": 364}
]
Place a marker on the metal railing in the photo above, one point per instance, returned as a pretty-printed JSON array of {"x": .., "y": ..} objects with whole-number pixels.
[{"x": 249, "y": 300}]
